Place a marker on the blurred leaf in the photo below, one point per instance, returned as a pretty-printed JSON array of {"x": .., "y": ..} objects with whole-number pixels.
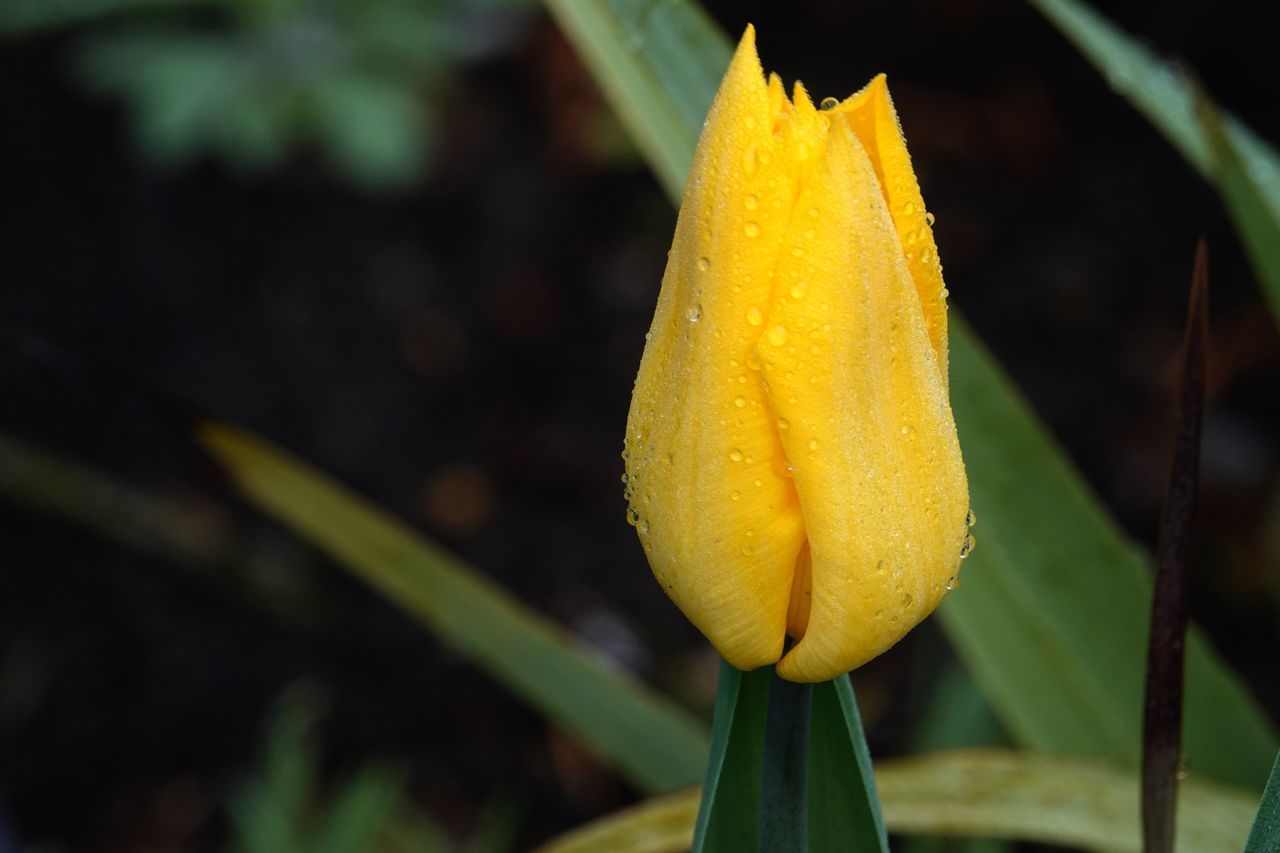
[
  {"x": 659, "y": 64},
  {"x": 179, "y": 85},
  {"x": 657, "y": 745},
  {"x": 978, "y": 793},
  {"x": 1256, "y": 217},
  {"x": 358, "y": 813},
  {"x": 1265, "y": 835},
  {"x": 374, "y": 129},
  {"x": 270, "y": 812},
  {"x": 21, "y": 17},
  {"x": 1051, "y": 619},
  {"x": 1250, "y": 186},
  {"x": 844, "y": 809}
]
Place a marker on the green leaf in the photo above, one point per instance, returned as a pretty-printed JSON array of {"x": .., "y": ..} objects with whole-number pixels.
[
  {"x": 1265, "y": 835},
  {"x": 1162, "y": 95},
  {"x": 1052, "y": 616},
  {"x": 1256, "y": 216},
  {"x": 844, "y": 809},
  {"x": 729, "y": 814},
  {"x": 654, "y": 743},
  {"x": 353, "y": 821},
  {"x": 979, "y": 793},
  {"x": 659, "y": 64}
]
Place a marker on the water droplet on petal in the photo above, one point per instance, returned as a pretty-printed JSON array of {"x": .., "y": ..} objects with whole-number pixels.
[
  {"x": 752, "y": 201},
  {"x": 797, "y": 290},
  {"x": 953, "y": 583},
  {"x": 694, "y": 314},
  {"x": 783, "y": 423},
  {"x": 778, "y": 335},
  {"x": 751, "y": 229},
  {"x": 704, "y": 263},
  {"x": 643, "y": 527},
  {"x": 739, "y": 401},
  {"x": 829, "y": 103},
  {"x": 736, "y": 496},
  {"x": 813, "y": 444},
  {"x": 967, "y": 547},
  {"x": 735, "y": 455},
  {"x": 930, "y": 219},
  {"x": 754, "y": 317},
  {"x": 971, "y": 518}
]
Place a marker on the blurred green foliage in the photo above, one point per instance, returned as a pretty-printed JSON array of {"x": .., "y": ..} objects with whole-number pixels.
[
  {"x": 282, "y": 809},
  {"x": 364, "y": 82}
]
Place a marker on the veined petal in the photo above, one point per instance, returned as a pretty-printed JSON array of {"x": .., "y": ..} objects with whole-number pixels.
[
  {"x": 871, "y": 115},
  {"x": 792, "y": 461},
  {"x": 870, "y": 436},
  {"x": 719, "y": 524}
]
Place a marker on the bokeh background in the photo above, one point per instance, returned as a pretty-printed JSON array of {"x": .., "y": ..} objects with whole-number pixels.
[{"x": 407, "y": 240}]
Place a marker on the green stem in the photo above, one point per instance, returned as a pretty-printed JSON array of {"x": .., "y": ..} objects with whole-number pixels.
[{"x": 784, "y": 777}]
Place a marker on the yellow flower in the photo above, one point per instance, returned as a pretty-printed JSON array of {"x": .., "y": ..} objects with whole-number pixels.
[{"x": 791, "y": 457}]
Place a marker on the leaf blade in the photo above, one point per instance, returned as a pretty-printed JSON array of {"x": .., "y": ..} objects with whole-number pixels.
[
  {"x": 1160, "y": 94},
  {"x": 653, "y": 742}
]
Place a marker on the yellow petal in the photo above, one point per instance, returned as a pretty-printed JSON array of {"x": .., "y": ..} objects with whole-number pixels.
[
  {"x": 871, "y": 115},
  {"x": 721, "y": 528},
  {"x": 791, "y": 458},
  {"x": 870, "y": 436}
]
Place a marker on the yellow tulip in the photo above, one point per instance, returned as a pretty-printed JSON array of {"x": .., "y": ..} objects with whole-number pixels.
[{"x": 791, "y": 457}]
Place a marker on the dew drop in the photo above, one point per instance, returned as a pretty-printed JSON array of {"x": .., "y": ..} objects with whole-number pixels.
[
  {"x": 907, "y": 599},
  {"x": 783, "y": 423},
  {"x": 967, "y": 547},
  {"x": 704, "y": 263},
  {"x": 742, "y": 378},
  {"x": 829, "y": 103},
  {"x": 952, "y": 583},
  {"x": 971, "y": 518},
  {"x": 624, "y": 476},
  {"x": 739, "y": 401},
  {"x": 759, "y": 482},
  {"x": 778, "y": 335},
  {"x": 736, "y": 496},
  {"x": 880, "y": 568},
  {"x": 930, "y": 219},
  {"x": 643, "y": 527},
  {"x": 753, "y": 360},
  {"x": 694, "y": 314},
  {"x": 802, "y": 151},
  {"x": 735, "y": 455},
  {"x": 813, "y": 444},
  {"x": 754, "y": 317},
  {"x": 752, "y": 201},
  {"x": 751, "y": 229}
]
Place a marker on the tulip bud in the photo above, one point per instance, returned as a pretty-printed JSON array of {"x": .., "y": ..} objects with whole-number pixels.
[{"x": 792, "y": 462}]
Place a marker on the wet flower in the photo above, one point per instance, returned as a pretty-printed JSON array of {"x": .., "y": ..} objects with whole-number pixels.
[{"x": 791, "y": 458}]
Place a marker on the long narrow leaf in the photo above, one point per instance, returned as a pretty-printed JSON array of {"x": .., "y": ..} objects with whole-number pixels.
[
  {"x": 730, "y": 812},
  {"x": 1051, "y": 619},
  {"x": 844, "y": 808},
  {"x": 653, "y": 742},
  {"x": 1265, "y": 835},
  {"x": 1158, "y": 92},
  {"x": 985, "y": 793},
  {"x": 1170, "y": 607}
]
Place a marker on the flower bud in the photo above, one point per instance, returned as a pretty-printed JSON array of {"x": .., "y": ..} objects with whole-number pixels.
[{"x": 791, "y": 457}]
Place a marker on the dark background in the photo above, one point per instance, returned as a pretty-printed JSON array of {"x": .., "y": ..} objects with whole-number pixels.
[{"x": 458, "y": 344}]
